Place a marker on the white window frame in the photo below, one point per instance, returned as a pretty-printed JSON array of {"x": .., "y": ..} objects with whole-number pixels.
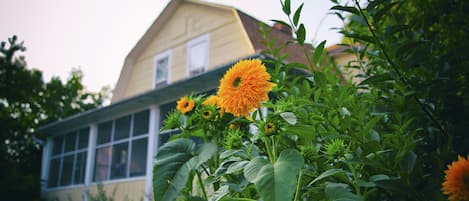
[
  {"x": 62, "y": 155},
  {"x": 162, "y": 55},
  {"x": 196, "y": 41},
  {"x": 110, "y": 144}
]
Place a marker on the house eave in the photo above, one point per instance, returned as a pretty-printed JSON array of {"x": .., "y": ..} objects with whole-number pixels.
[{"x": 197, "y": 84}]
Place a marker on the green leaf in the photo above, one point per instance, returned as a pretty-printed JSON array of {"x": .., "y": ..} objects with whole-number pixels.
[
  {"x": 220, "y": 193},
  {"x": 172, "y": 167},
  {"x": 236, "y": 167},
  {"x": 276, "y": 182},
  {"x": 289, "y": 117},
  {"x": 296, "y": 16},
  {"x": 301, "y": 34},
  {"x": 302, "y": 131},
  {"x": 286, "y": 7},
  {"x": 205, "y": 152},
  {"x": 282, "y": 23},
  {"x": 339, "y": 192},
  {"x": 318, "y": 52},
  {"x": 174, "y": 162},
  {"x": 325, "y": 174},
  {"x": 408, "y": 162},
  {"x": 349, "y": 9},
  {"x": 253, "y": 167},
  {"x": 376, "y": 79}
]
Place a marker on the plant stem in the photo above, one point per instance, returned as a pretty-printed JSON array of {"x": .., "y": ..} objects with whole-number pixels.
[
  {"x": 201, "y": 185},
  {"x": 268, "y": 149},
  {"x": 298, "y": 186}
]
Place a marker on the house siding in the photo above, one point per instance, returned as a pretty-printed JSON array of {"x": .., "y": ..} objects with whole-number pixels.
[{"x": 226, "y": 43}]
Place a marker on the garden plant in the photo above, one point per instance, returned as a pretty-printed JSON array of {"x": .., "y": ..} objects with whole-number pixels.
[{"x": 276, "y": 133}]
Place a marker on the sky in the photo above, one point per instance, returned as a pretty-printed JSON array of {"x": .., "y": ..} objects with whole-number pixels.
[{"x": 97, "y": 35}]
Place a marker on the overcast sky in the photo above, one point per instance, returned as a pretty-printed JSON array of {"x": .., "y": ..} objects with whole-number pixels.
[{"x": 96, "y": 35}]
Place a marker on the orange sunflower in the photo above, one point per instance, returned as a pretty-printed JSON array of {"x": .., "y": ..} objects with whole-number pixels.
[
  {"x": 456, "y": 184},
  {"x": 243, "y": 87},
  {"x": 212, "y": 100},
  {"x": 185, "y": 105}
]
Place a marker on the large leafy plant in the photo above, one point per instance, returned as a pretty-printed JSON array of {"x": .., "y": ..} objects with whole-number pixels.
[{"x": 321, "y": 137}]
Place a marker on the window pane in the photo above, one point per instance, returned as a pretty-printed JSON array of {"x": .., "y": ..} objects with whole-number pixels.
[
  {"x": 54, "y": 172},
  {"x": 138, "y": 160},
  {"x": 164, "y": 137},
  {"x": 67, "y": 166},
  {"x": 83, "y": 138},
  {"x": 141, "y": 123},
  {"x": 162, "y": 70},
  {"x": 80, "y": 167},
  {"x": 119, "y": 160},
  {"x": 198, "y": 56},
  {"x": 70, "y": 141},
  {"x": 101, "y": 164},
  {"x": 165, "y": 109},
  {"x": 104, "y": 132},
  {"x": 122, "y": 128},
  {"x": 57, "y": 145}
]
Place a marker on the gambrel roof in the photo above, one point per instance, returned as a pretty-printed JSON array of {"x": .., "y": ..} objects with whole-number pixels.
[{"x": 247, "y": 22}]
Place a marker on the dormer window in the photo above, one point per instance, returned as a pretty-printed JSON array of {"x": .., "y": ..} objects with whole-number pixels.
[
  {"x": 197, "y": 55},
  {"x": 162, "y": 64}
]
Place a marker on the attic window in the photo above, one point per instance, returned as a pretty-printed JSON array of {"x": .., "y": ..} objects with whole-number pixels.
[
  {"x": 162, "y": 63},
  {"x": 197, "y": 55}
]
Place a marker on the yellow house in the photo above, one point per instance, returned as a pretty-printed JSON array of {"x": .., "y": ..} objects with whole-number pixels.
[{"x": 186, "y": 50}]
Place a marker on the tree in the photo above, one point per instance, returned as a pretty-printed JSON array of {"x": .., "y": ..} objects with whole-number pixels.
[{"x": 26, "y": 103}]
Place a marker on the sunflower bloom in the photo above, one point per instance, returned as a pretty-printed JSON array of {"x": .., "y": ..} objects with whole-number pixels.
[
  {"x": 211, "y": 101},
  {"x": 185, "y": 105},
  {"x": 243, "y": 87},
  {"x": 456, "y": 184}
]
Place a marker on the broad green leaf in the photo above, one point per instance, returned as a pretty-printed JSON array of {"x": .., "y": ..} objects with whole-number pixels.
[
  {"x": 220, "y": 193},
  {"x": 301, "y": 34},
  {"x": 318, "y": 52},
  {"x": 174, "y": 162},
  {"x": 325, "y": 174},
  {"x": 302, "y": 131},
  {"x": 253, "y": 167},
  {"x": 236, "y": 167},
  {"x": 172, "y": 167},
  {"x": 205, "y": 152},
  {"x": 339, "y": 192},
  {"x": 289, "y": 117},
  {"x": 296, "y": 16},
  {"x": 276, "y": 182},
  {"x": 346, "y": 9}
]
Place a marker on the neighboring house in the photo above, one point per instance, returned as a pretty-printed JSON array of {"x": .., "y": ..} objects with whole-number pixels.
[{"x": 186, "y": 50}]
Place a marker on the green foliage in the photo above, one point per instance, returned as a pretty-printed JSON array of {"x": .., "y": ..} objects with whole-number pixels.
[
  {"x": 26, "y": 103},
  {"x": 389, "y": 137}
]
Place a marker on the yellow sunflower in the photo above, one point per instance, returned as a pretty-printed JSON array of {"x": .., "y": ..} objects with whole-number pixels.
[
  {"x": 185, "y": 105},
  {"x": 212, "y": 100},
  {"x": 456, "y": 184},
  {"x": 243, "y": 87}
]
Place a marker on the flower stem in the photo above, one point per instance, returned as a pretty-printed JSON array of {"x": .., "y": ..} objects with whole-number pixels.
[{"x": 201, "y": 185}]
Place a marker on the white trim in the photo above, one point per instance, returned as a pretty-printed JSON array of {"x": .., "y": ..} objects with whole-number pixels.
[
  {"x": 90, "y": 159},
  {"x": 46, "y": 153},
  {"x": 168, "y": 54},
  {"x": 201, "y": 39},
  {"x": 152, "y": 139}
]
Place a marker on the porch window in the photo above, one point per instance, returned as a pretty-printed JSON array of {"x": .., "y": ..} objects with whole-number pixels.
[
  {"x": 68, "y": 159},
  {"x": 121, "y": 147},
  {"x": 197, "y": 55}
]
